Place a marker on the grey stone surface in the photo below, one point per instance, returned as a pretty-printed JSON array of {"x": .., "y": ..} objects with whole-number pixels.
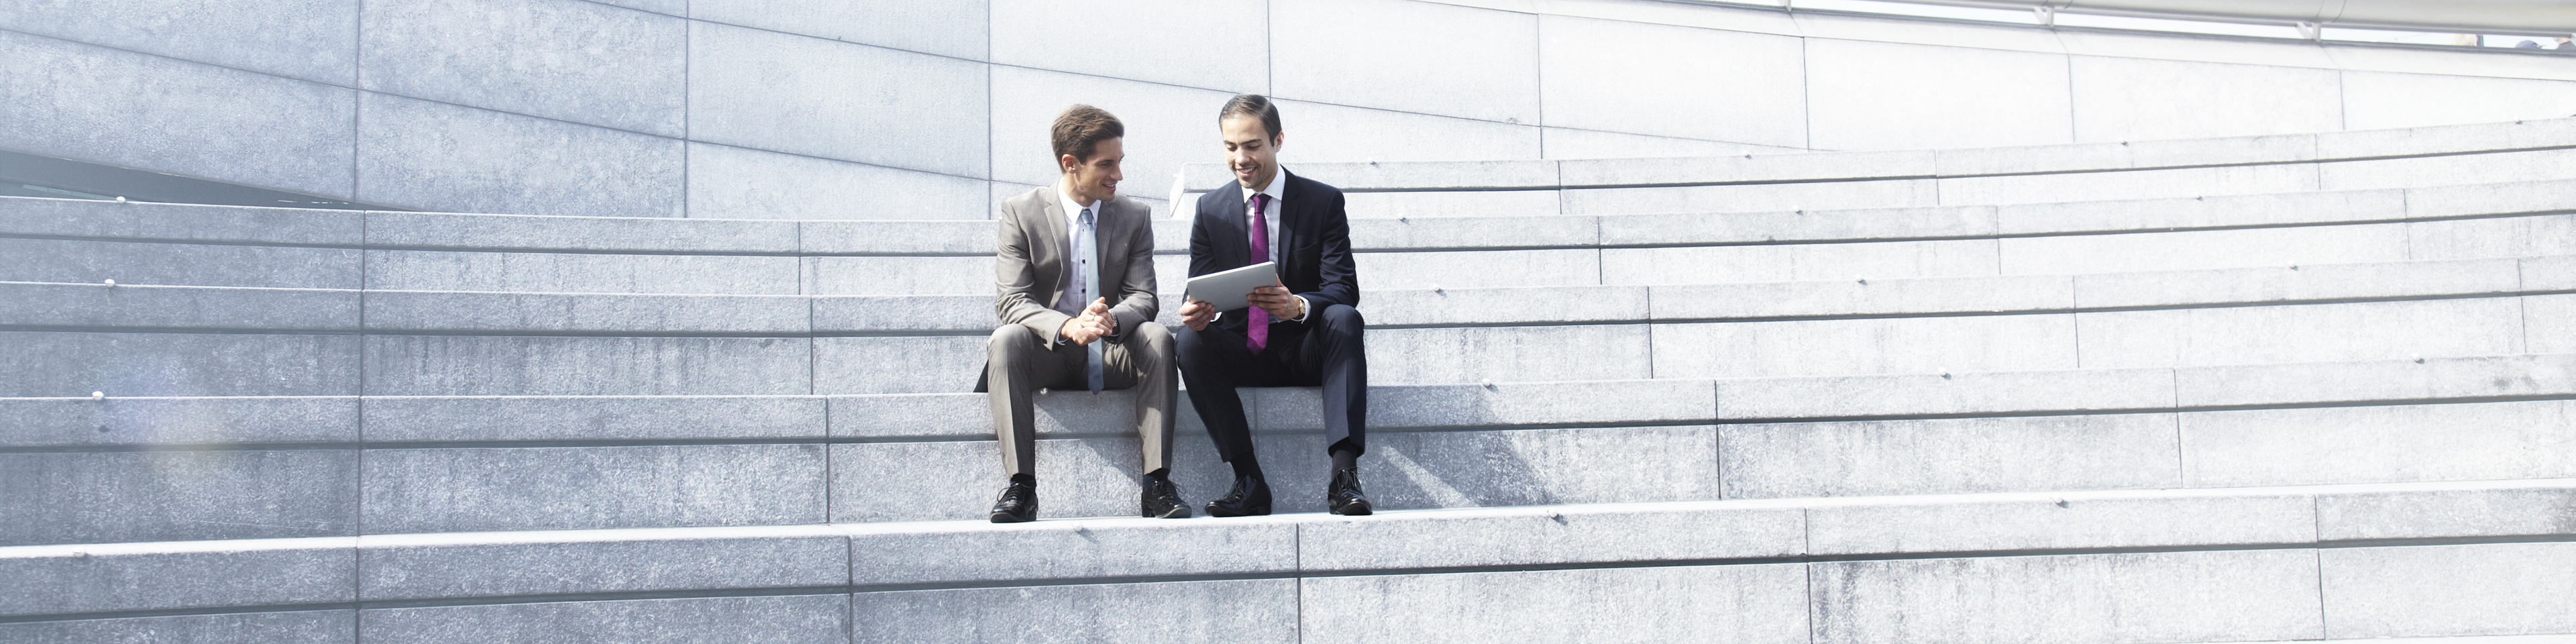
[
  {"x": 1867, "y": 346},
  {"x": 68, "y": 579},
  {"x": 93, "y": 262},
  {"x": 312, "y": 40},
  {"x": 793, "y": 619},
  {"x": 776, "y": 91},
  {"x": 177, "y": 222},
  {"x": 1409, "y": 470},
  {"x": 1248, "y": 611},
  {"x": 1166, "y": 42},
  {"x": 2303, "y": 207},
  {"x": 2094, "y": 155},
  {"x": 1795, "y": 167},
  {"x": 960, "y": 29},
  {"x": 2062, "y": 520},
  {"x": 1942, "y": 456},
  {"x": 180, "y": 421},
  {"x": 1969, "y": 97},
  {"x": 949, "y": 552},
  {"x": 948, "y": 415},
  {"x": 1573, "y": 144},
  {"x": 2222, "y": 596},
  {"x": 2133, "y": 184},
  {"x": 1510, "y": 354},
  {"x": 1551, "y": 535},
  {"x": 1810, "y": 225},
  {"x": 2484, "y": 509},
  {"x": 2477, "y": 238},
  {"x": 962, "y": 275},
  {"x": 558, "y": 488},
  {"x": 2446, "y": 170},
  {"x": 1501, "y": 404},
  {"x": 1756, "y": 197},
  {"x": 1089, "y": 477},
  {"x": 1863, "y": 297},
  {"x": 2127, "y": 99},
  {"x": 1957, "y": 393},
  {"x": 2488, "y": 198},
  {"x": 2206, "y": 249},
  {"x": 2405, "y": 141},
  {"x": 481, "y": 418},
  {"x": 2541, "y": 317},
  {"x": 2487, "y": 589},
  {"x": 1481, "y": 306},
  {"x": 1476, "y": 269},
  {"x": 1476, "y": 232},
  {"x": 1756, "y": 603},
  {"x": 1432, "y": 59},
  {"x": 1798, "y": 262},
  {"x": 897, "y": 365},
  {"x": 631, "y": 233},
  {"x": 577, "y": 61},
  {"x": 904, "y": 237},
  {"x": 2388, "y": 380},
  {"x": 298, "y": 627},
  {"x": 400, "y": 311},
  {"x": 2300, "y": 333},
  {"x": 599, "y": 561},
  {"x": 1472, "y": 203},
  {"x": 98, "y": 497},
  {"x": 1166, "y": 125},
  {"x": 434, "y": 365},
  {"x": 905, "y": 314},
  {"x": 176, "y": 307},
  {"x": 743, "y": 183},
  {"x": 204, "y": 121},
  {"x": 2456, "y": 442},
  {"x": 1754, "y": 89},
  {"x": 436, "y": 156},
  {"x": 178, "y": 364},
  {"x": 2325, "y": 282}
]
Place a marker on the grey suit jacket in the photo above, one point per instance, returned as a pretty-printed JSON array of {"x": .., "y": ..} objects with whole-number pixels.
[{"x": 1029, "y": 268}]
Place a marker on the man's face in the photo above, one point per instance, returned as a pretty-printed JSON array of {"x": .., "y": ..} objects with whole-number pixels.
[
  {"x": 1095, "y": 179},
  {"x": 1252, "y": 153}
]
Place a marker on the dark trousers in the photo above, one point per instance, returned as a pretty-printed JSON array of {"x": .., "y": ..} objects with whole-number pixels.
[{"x": 1327, "y": 353}]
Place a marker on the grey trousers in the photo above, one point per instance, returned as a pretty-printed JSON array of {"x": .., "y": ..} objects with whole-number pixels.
[{"x": 1018, "y": 361}]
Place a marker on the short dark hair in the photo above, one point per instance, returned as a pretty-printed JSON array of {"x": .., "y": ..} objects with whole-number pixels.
[
  {"x": 1252, "y": 105},
  {"x": 1081, "y": 128}
]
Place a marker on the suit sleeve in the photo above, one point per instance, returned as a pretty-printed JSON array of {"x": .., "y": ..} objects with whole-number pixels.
[
  {"x": 1015, "y": 279},
  {"x": 1340, "y": 278},
  {"x": 1138, "y": 300},
  {"x": 1202, "y": 250}
]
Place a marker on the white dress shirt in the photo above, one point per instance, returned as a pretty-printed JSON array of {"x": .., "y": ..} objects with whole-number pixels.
[
  {"x": 1070, "y": 302},
  {"x": 1270, "y": 216}
]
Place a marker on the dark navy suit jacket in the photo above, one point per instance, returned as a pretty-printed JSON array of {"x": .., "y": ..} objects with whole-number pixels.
[{"x": 1314, "y": 245}]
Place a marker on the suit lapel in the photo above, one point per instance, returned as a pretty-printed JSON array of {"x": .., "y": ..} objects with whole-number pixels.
[{"x": 1236, "y": 240}]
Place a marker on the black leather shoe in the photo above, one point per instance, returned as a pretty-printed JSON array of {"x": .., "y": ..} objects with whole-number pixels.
[
  {"x": 1250, "y": 498},
  {"x": 1344, "y": 497},
  {"x": 1162, "y": 501},
  {"x": 1019, "y": 503}
]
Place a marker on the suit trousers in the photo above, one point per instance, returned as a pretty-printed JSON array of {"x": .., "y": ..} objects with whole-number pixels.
[
  {"x": 1328, "y": 353},
  {"x": 1018, "y": 362}
]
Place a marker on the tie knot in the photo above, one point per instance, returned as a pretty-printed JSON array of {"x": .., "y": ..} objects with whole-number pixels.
[{"x": 1086, "y": 215}]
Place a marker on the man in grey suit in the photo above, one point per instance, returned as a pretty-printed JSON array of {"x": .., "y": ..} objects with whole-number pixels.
[{"x": 1075, "y": 274}]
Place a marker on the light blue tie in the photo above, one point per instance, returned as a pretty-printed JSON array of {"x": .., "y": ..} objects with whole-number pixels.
[{"x": 1086, "y": 249}]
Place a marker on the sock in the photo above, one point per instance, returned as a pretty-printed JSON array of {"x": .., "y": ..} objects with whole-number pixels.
[
  {"x": 1024, "y": 477},
  {"x": 1345, "y": 458},
  {"x": 1246, "y": 468}
]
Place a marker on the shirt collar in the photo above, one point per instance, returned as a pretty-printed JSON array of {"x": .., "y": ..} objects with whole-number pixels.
[{"x": 1277, "y": 181}]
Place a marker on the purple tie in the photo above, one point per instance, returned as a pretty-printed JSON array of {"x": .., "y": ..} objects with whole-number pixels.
[{"x": 1258, "y": 332}]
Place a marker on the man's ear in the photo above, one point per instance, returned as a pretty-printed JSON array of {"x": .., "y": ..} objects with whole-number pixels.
[
  {"x": 1066, "y": 163},
  {"x": 1277, "y": 138}
]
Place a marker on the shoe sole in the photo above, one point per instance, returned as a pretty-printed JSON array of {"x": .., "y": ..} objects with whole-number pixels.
[
  {"x": 1180, "y": 512},
  {"x": 1353, "y": 513},
  {"x": 999, "y": 517},
  {"x": 1255, "y": 512}
]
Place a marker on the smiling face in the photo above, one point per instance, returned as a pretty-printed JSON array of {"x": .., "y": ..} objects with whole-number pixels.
[
  {"x": 1096, "y": 179},
  {"x": 1250, "y": 150}
]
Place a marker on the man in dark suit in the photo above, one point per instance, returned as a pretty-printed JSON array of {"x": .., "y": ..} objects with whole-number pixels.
[
  {"x": 1075, "y": 275},
  {"x": 1304, "y": 332}
]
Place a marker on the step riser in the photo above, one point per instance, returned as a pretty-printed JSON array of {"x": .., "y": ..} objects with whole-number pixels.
[{"x": 154, "y": 496}]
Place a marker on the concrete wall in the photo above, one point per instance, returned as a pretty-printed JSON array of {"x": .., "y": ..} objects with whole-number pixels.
[{"x": 915, "y": 109}]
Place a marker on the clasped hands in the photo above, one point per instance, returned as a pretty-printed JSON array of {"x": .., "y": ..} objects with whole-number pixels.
[
  {"x": 1282, "y": 305},
  {"x": 1093, "y": 324}
]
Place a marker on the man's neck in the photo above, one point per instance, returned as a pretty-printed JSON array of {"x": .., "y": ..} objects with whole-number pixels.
[{"x": 1065, "y": 186}]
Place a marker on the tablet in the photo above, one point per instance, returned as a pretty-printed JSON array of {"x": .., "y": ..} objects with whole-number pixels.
[{"x": 1227, "y": 289}]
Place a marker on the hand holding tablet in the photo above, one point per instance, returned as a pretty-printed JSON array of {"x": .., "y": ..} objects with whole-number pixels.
[{"x": 1231, "y": 289}]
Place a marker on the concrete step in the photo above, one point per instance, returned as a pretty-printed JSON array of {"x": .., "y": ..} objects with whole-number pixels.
[
  {"x": 147, "y": 469},
  {"x": 2243, "y": 564}
]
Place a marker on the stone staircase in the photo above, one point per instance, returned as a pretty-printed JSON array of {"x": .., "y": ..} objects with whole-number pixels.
[{"x": 2223, "y": 390}]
